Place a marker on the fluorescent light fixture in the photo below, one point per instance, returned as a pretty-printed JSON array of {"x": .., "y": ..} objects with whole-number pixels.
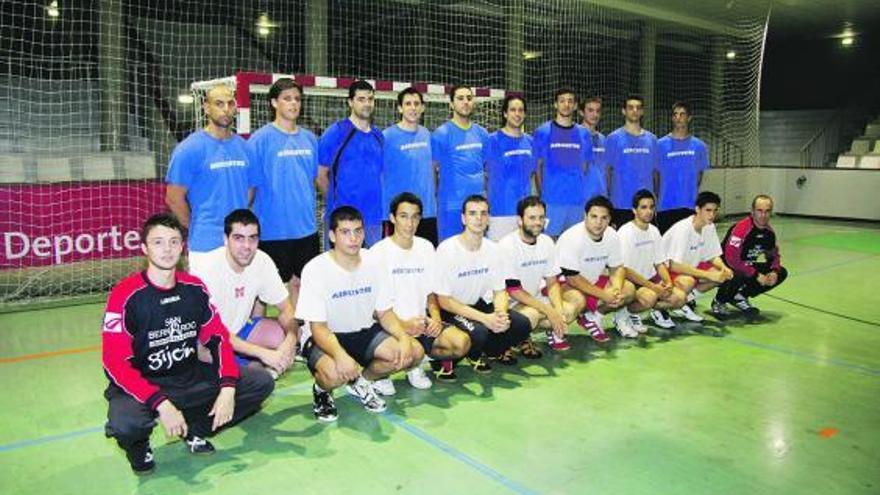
[
  {"x": 265, "y": 25},
  {"x": 730, "y": 55},
  {"x": 531, "y": 55},
  {"x": 52, "y": 9},
  {"x": 185, "y": 99},
  {"x": 847, "y": 41}
]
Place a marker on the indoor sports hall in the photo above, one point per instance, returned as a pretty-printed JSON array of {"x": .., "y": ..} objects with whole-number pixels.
[{"x": 96, "y": 95}]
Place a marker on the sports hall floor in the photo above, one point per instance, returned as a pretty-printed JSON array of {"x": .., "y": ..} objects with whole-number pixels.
[{"x": 788, "y": 405}]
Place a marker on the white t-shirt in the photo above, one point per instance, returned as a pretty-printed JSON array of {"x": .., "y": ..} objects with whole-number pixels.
[
  {"x": 575, "y": 250},
  {"x": 411, "y": 274},
  {"x": 529, "y": 263},
  {"x": 466, "y": 275},
  {"x": 685, "y": 245},
  {"x": 233, "y": 294},
  {"x": 344, "y": 299},
  {"x": 642, "y": 249}
]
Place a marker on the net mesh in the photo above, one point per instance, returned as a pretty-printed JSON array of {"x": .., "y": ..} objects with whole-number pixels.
[{"x": 95, "y": 94}]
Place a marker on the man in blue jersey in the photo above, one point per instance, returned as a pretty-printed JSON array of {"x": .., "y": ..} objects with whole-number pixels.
[
  {"x": 564, "y": 154},
  {"x": 595, "y": 181},
  {"x": 284, "y": 174},
  {"x": 457, "y": 148},
  {"x": 632, "y": 156},
  {"x": 208, "y": 175},
  {"x": 510, "y": 166},
  {"x": 407, "y": 163},
  {"x": 683, "y": 159},
  {"x": 350, "y": 158}
]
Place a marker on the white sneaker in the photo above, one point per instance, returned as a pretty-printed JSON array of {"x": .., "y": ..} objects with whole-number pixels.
[
  {"x": 623, "y": 324},
  {"x": 690, "y": 314},
  {"x": 384, "y": 386},
  {"x": 363, "y": 390},
  {"x": 418, "y": 378},
  {"x": 636, "y": 322},
  {"x": 661, "y": 319}
]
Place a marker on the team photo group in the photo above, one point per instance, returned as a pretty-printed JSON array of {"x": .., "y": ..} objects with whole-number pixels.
[{"x": 441, "y": 249}]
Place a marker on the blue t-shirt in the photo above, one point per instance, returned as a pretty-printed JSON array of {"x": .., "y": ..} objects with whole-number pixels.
[
  {"x": 510, "y": 164},
  {"x": 681, "y": 162},
  {"x": 567, "y": 154},
  {"x": 594, "y": 179},
  {"x": 407, "y": 168},
  {"x": 632, "y": 160},
  {"x": 357, "y": 180},
  {"x": 215, "y": 175},
  {"x": 284, "y": 174},
  {"x": 460, "y": 155}
]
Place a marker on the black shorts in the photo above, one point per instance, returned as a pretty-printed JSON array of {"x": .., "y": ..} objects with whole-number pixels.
[
  {"x": 427, "y": 229},
  {"x": 360, "y": 345},
  {"x": 668, "y": 218},
  {"x": 291, "y": 255}
]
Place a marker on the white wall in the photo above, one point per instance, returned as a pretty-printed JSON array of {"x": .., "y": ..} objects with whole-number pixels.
[{"x": 841, "y": 193}]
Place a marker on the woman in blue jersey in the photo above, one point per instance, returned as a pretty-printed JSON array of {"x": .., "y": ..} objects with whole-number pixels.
[{"x": 510, "y": 165}]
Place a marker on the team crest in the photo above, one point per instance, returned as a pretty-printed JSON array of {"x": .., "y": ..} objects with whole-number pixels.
[{"x": 112, "y": 322}]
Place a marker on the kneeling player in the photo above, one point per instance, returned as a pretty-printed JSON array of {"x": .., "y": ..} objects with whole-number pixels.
[
  {"x": 694, "y": 253},
  {"x": 645, "y": 262},
  {"x": 531, "y": 258},
  {"x": 469, "y": 268},
  {"x": 154, "y": 322},
  {"x": 591, "y": 260},
  {"x": 341, "y": 291},
  {"x": 409, "y": 264}
]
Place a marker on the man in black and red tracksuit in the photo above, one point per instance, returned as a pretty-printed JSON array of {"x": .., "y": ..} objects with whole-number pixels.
[
  {"x": 750, "y": 250},
  {"x": 154, "y": 322}
]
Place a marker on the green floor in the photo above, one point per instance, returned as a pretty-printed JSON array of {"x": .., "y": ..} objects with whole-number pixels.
[{"x": 788, "y": 405}]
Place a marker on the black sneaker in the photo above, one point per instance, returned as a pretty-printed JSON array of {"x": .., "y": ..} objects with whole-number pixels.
[
  {"x": 719, "y": 310},
  {"x": 481, "y": 365},
  {"x": 444, "y": 370},
  {"x": 199, "y": 445},
  {"x": 742, "y": 303},
  {"x": 140, "y": 457},
  {"x": 323, "y": 406}
]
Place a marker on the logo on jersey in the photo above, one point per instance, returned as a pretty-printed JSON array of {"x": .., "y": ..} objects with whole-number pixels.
[
  {"x": 168, "y": 300},
  {"x": 735, "y": 241},
  {"x": 239, "y": 292},
  {"x": 112, "y": 322}
]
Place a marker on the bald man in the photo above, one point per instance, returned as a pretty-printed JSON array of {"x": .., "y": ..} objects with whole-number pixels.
[{"x": 208, "y": 175}]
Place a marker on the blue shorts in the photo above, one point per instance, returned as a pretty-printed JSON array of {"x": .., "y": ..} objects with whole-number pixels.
[
  {"x": 561, "y": 217},
  {"x": 243, "y": 334}
]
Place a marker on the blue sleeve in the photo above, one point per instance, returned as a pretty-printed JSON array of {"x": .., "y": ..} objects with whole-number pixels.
[
  {"x": 538, "y": 145},
  {"x": 610, "y": 151},
  {"x": 586, "y": 145},
  {"x": 313, "y": 142},
  {"x": 533, "y": 163},
  {"x": 661, "y": 152},
  {"x": 327, "y": 145},
  {"x": 656, "y": 153},
  {"x": 183, "y": 166},
  {"x": 702, "y": 157},
  {"x": 438, "y": 144},
  {"x": 256, "y": 177}
]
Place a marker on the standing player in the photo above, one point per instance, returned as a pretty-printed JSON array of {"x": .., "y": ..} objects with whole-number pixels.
[
  {"x": 457, "y": 150},
  {"x": 407, "y": 161},
  {"x": 208, "y": 175},
  {"x": 632, "y": 156},
  {"x": 286, "y": 167},
  {"x": 564, "y": 154},
  {"x": 154, "y": 321},
  {"x": 683, "y": 159},
  {"x": 409, "y": 264},
  {"x": 237, "y": 276},
  {"x": 750, "y": 250},
  {"x": 595, "y": 185},
  {"x": 350, "y": 157},
  {"x": 469, "y": 268},
  {"x": 591, "y": 260},
  {"x": 645, "y": 262},
  {"x": 694, "y": 253},
  {"x": 531, "y": 258},
  {"x": 510, "y": 166},
  {"x": 342, "y": 290}
]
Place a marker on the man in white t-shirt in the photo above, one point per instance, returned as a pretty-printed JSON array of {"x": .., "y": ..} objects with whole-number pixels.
[
  {"x": 694, "y": 253},
  {"x": 645, "y": 262},
  {"x": 238, "y": 275},
  {"x": 470, "y": 290},
  {"x": 342, "y": 289},
  {"x": 409, "y": 263},
  {"x": 531, "y": 260},
  {"x": 591, "y": 260}
]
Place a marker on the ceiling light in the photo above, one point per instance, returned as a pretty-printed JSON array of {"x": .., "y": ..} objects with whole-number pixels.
[
  {"x": 531, "y": 55},
  {"x": 185, "y": 99},
  {"x": 731, "y": 55},
  {"x": 847, "y": 41},
  {"x": 52, "y": 9}
]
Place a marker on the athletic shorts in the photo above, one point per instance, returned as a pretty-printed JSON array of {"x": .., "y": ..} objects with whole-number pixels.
[
  {"x": 427, "y": 229},
  {"x": 360, "y": 345},
  {"x": 243, "y": 334},
  {"x": 703, "y": 265},
  {"x": 561, "y": 217},
  {"x": 593, "y": 301},
  {"x": 291, "y": 255}
]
